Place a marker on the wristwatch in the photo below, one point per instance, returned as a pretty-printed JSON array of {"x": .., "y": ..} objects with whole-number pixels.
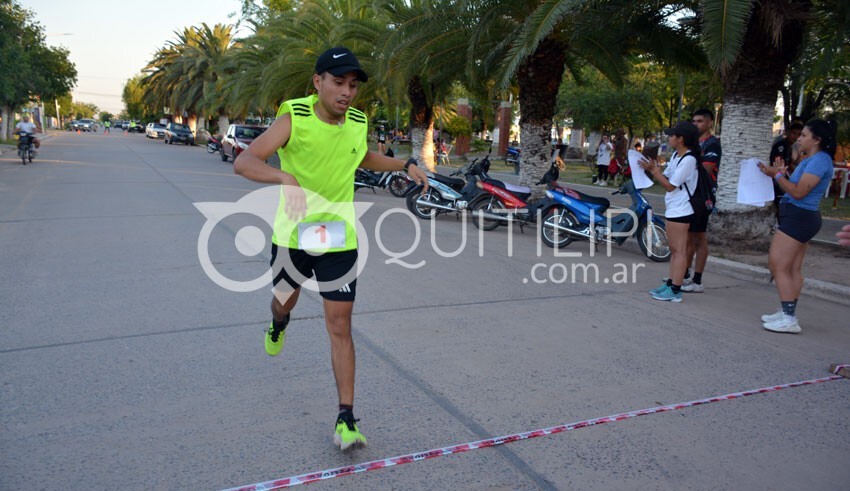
[
  {"x": 408, "y": 164},
  {"x": 777, "y": 176}
]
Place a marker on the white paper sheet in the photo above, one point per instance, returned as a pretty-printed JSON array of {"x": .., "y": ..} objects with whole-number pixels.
[
  {"x": 754, "y": 187},
  {"x": 638, "y": 174}
]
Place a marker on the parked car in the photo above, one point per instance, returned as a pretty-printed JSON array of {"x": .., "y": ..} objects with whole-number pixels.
[
  {"x": 180, "y": 133},
  {"x": 237, "y": 138},
  {"x": 155, "y": 130}
]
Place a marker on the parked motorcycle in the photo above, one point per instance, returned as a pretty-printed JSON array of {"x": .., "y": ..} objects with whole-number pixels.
[
  {"x": 213, "y": 145},
  {"x": 26, "y": 146},
  {"x": 447, "y": 194},
  {"x": 398, "y": 183},
  {"x": 569, "y": 217},
  {"x": 502, "y": 202}
]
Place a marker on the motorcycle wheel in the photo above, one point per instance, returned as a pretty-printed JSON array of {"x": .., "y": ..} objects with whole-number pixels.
[
  {"x": 211, "y": 148},
  {"x": 653, "y": 242},
  {"x": 398, "y": 186},
  {"x": 23, "y": 156},
  {"x": 488, "y": 204},
  {"x": 420, "y": 211},
  {"x": 557, "y": 238}
]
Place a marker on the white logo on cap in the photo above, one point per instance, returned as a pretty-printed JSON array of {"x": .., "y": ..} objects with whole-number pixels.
[{"x": 339, "y": 56}]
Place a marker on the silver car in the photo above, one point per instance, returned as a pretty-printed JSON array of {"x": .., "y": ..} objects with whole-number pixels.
[{"x": 155, "y": 130}]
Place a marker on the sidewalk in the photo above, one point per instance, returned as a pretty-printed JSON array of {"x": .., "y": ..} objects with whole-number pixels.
[{"x": 826, "y": 264}]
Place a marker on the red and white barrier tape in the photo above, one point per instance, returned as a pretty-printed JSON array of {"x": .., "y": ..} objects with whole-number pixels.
[{"x": 490, "y": 442}]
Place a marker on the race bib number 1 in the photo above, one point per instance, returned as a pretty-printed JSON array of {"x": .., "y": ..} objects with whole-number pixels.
[{"x": 321, "y": 236}]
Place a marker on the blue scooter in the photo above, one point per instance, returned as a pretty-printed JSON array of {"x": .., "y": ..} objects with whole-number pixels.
[{"x": 577, "y": 215}]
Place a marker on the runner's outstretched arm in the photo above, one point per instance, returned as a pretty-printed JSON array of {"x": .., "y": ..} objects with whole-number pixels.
[
  {"x": 251, "y": 164},
  {"x": 381, "y": 163}
]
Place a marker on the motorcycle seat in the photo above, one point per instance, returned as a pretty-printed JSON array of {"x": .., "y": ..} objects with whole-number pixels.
[
  {"x": 594, "y": 200},
  {"x": 449, "y": 181},
  {"x": 520, "y": 192},
  {"x": 517, "y": 189}
]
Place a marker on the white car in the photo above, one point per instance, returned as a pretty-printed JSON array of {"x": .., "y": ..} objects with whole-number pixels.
[{"x": 155, "y": 130}]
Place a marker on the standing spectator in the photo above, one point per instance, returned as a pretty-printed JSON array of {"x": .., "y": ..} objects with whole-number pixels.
[
  {"x": 603, "y": 157},
  {"x": 382, "y": 140},
  {"x": 681, "y": 171},
  {"x": 800, "y": 218},
  {"x": 106, "y": 126},
  {"x": 621, "y": 149},
  {"x": 710, "y": 151},
  {"x": 785, "y": 149}
]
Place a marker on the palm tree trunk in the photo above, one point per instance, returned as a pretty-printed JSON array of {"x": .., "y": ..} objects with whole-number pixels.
[
  {"x": 421, "y": 125},
  {"x": 750, "y": 88},
  {"x": 223, "y": 123},
  {"x": 5, "y": 127},
  {"x": 747, "y": 128},
  {"x": 539, "y": 78}
]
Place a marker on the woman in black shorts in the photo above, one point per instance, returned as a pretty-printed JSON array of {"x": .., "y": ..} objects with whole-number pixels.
[
  {"x": 682, "y": 169},
  {"x": 799, "y": 217}
]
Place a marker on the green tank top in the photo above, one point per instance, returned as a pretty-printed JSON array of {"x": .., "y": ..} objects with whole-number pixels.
[{"x": 323, "y": 157}]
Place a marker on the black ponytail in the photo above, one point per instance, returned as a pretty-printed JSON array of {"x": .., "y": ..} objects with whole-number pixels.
[{"x": 825, "y": 131}]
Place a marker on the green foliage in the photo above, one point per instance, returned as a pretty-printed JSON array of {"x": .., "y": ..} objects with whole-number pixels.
[
  {"x": 458, "y": 126},
  {"x": 28, "y": 67},
  {"x": 105, "y": 116},
  {"x": 84, "y": 110},
  {"x": 725, "y": 24}
]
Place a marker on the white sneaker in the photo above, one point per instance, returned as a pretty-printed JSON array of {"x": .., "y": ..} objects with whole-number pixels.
[
  {"x": 785, "y": 324},
  {"x": 692, "y": 287},
  {"x": 772, "y": 317}
]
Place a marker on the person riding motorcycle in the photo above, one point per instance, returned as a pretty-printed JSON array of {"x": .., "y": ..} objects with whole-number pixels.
[{"x": 25, "y": 125}]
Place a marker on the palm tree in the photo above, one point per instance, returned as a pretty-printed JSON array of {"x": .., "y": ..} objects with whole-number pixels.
[
  {"x": 538, "y": 42},
  {"x": 751, "y": 44},
  {"x": 423, "y": 55},
  {"x": 187, "y": 73}
]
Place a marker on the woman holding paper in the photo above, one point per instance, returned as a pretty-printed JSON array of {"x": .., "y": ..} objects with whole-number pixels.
[
  {"x": 680, "y": 171},
  {"x": 799, "y": 217}
]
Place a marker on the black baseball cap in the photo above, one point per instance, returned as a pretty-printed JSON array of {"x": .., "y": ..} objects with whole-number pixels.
[
  {"x": 683, "y": 128},
  {"x": 339, "y": 61}
]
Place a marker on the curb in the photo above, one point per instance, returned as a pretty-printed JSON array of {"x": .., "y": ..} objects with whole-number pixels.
[{"x": 832, "y": 292}]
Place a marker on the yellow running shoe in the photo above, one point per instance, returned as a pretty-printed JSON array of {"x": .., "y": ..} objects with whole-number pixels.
[
  {"x": 276, "y": 337},
  {"x": 347, "y": 436}
]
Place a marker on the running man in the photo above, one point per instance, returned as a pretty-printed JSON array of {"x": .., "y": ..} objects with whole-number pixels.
[{"x": 321, "y": 141}]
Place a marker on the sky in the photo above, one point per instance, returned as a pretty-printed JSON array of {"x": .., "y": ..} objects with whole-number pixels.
[{"x": 111, "y": 41}]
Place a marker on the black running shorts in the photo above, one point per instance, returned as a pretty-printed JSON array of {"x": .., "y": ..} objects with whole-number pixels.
[
  {"x": 799, "y": 224},
  {"x": 699, "y": 223},
  {"x": 327, "y": 267},
  {"x": 684, "y": 219}
]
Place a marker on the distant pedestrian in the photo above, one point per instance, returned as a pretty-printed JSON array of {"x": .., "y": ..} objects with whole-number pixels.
[
  {"x": 799, "y": 218},
  {"x": 382, "y": 140},
  {"x": 106, "y": 126},
  {"x": 621, "y": 150},
  {"x": 603, "y": 158}
]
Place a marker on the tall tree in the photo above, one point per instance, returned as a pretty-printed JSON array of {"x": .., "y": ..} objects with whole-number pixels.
[
  {"x": 751, "y": 44},
  {"x": 28, "y": 67},
  {"x": 537, "y": 42}
]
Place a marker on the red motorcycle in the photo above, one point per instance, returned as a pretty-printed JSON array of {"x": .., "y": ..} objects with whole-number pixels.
[{"x": 503, "y": 202}]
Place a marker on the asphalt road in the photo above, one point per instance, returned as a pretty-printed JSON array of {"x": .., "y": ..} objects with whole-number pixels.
[{"x": 126, "y": 367}]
